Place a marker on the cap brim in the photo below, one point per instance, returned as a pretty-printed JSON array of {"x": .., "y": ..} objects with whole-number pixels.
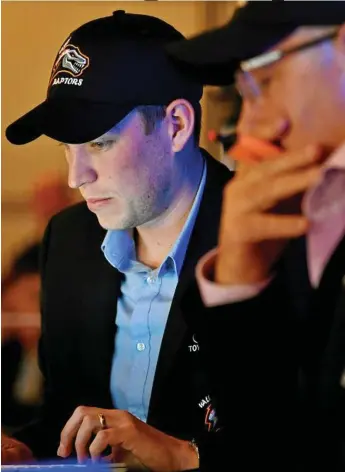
[
  {"x": 67, "y": 121},
  {"x": 213, "y": 57}
]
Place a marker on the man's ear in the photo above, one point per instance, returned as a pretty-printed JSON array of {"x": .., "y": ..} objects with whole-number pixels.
[{"x": 181, "y": 119}]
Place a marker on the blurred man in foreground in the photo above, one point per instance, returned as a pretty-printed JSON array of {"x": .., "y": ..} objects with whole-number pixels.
[{"x": 288, "y": 61}]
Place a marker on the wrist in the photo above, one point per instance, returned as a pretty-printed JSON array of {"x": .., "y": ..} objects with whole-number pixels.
[{"x": 239, "y": 266}]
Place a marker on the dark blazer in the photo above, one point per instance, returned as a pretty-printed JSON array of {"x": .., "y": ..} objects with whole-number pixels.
[
  {"x": 80, "y": 290},
  {"x": 323, "y": 371},
  {"x": 286, "y": 350}
]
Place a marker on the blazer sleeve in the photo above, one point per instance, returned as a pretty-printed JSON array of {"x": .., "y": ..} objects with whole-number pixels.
[{"x": 249, "y": 349}]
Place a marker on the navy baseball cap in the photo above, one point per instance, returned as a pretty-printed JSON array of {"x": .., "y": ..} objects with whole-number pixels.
[
  {"x": 105, "y": 69},
  {"x": 214, "y": 56}
]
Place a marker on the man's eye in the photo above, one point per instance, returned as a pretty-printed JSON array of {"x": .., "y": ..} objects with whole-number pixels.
[{"x": 101, "y": 145}]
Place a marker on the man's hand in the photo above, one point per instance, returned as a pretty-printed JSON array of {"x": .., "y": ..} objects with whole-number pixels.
[
  {"x": 261, "y": 214},
  {"x": 124, "y": 432},
  {"x": 14, "y": 452}
]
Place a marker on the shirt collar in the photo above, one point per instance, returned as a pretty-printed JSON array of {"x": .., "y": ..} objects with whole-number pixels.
[
  {"x": 119, "y": 249},
  {"x": 327, "y": 197},
  {"x": 179, "y": 249}
]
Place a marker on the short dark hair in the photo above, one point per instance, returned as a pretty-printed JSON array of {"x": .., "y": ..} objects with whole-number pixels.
[{"x": 153, "y": 114}]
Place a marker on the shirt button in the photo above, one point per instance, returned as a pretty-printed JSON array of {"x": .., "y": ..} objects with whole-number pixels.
[
  {"x": 140, "y": 346},
  {"x": 151, "y": 279}
]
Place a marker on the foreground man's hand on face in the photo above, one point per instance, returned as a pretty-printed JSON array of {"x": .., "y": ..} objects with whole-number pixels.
[
  {"x": 124, "y": 433},
  {"x": 261, "y": 213},
  {"x": 14, "y": 452}
]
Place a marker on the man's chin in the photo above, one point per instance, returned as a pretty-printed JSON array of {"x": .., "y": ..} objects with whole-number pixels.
[
  {"x": 111, "y": 224},
  {"x": 107, "y": 223}
]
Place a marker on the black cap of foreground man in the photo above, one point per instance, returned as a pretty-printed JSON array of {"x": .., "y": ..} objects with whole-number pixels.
[
  {"x": 214, "y": 56},
  {"x": 105, "y": 69}
]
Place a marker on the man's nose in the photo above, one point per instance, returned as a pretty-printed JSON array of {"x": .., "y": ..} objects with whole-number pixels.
[{"x": 80, "y": 170}]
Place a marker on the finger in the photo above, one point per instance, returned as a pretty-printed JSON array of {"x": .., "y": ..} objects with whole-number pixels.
[
  {"x": 119, "y": 454},
  {"x": 308, "y": 156},
  {"x": 109, "y": 458},
  {"x": 264, "y": 195},
  {"x": 116, "y": 455},
  {"x": 242, "y": 168},
  {"x": 269, "y": 227},
  {"x": 103, "y": 439},
  {"x": 285, "y": 187},
  {"x": 88, "y": 426},
  {"x": 70, "y": 430}
]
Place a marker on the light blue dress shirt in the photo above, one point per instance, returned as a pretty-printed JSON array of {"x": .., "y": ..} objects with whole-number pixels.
[{"x": 142, "y": 312}]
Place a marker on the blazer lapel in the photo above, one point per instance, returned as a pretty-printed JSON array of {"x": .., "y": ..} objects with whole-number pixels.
[
  {"x": 204, "y": 237},
  {"x": 98, "y": 318}
]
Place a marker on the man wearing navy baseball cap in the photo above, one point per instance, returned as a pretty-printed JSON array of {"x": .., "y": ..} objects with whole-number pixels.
[
  {"x": 121, "y": 363},
  {"x": 94, "y": 85},
  {"x": 287, "y": 59}
]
